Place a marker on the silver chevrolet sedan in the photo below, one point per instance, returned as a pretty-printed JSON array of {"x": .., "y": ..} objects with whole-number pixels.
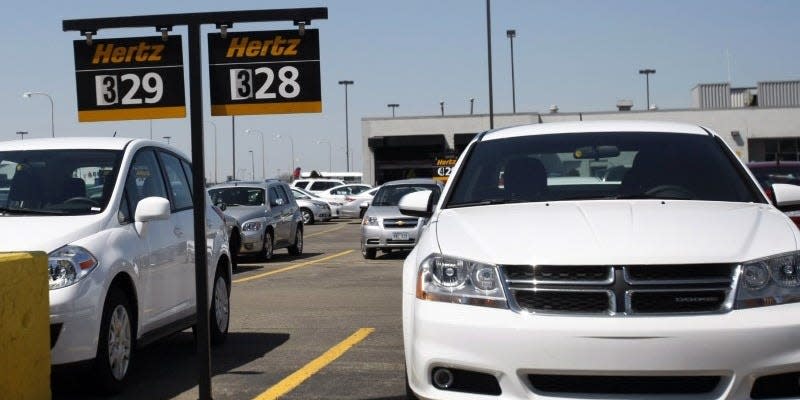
[{"x": 383, "y": 226}]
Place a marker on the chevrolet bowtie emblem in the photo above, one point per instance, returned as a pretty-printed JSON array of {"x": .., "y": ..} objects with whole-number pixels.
[{"x": 400, "y": 223}]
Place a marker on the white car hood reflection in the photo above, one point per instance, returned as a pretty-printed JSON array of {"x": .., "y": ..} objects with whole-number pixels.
[
  {"x": 45, "y": 233},
  {"x": 615, "y": 232}
]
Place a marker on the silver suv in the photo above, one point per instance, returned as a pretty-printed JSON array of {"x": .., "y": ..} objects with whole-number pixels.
[{"x": 267, "y": 217}]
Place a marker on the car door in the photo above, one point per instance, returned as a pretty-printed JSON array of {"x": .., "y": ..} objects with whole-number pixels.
[
  {"x": 182, "y": 216},
  {"x": 289, "y": 212},
  {"x": 158, "y": 296}
]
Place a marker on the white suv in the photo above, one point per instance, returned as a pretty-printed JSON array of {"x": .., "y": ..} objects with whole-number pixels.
[
  {"x": 115, "y": 216},
  {"x": 539, "y": 276}
]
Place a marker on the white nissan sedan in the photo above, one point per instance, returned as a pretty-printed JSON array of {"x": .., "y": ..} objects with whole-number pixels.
[
  {"x": 622, "y": 260},
  {"x": 115, "y": 216}
]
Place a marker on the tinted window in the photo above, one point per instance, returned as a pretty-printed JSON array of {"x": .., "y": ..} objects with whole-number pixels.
[
  {"x": 124, "y": 213},
  {"x": 283, "y": 194},
  {"x": 604, "y": 165},
  {"x": 144, "y": 178},
  {"x": 321, "y": 185},
  {"x": 275, "y": 199},
  {"x": 358, "y": 189},
  {"x": 391, "y": 195},
  {"x": 301, "y": 184},
  {"x": 58, "y": 181},
  {"x": 299, "y": 195},
  {"x": 237, "y": 196},
  {"x": 187, "y": 168},
  {"x": 179, "y": 187}
]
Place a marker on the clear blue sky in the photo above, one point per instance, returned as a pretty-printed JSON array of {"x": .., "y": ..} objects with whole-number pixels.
[{"x": 580, "y": 55}]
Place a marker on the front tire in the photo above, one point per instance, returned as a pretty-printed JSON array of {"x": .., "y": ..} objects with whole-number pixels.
[
  {"x": 269, "y": 248},
  {"x": 368, "y": 253},
  {"x": 115, "y": 344},
  {"x": 297, "y": 248},
  {"x": 308, "y": 216},
  {"x": 219, "y": 317}
]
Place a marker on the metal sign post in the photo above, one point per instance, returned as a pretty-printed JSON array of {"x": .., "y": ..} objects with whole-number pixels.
[{"x": 163, "y": 23}]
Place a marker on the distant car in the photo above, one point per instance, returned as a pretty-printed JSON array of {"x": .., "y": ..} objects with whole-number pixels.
[
  {"x": 352, "y": 204},
  {"x": 334, "y": 205},
  {"x": 267, "y": 216},
  {"x": 770, "y": 172},
  {"x": 340, "y": 192},
  {"x": 121, "y": 268},
  {"x": 383, "y": 226},
  {"x": 313, "y": 210},
  {"x": 316, "y": 185}
]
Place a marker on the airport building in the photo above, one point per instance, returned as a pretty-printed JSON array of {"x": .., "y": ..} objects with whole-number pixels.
[{"x": 760, "y": 123}]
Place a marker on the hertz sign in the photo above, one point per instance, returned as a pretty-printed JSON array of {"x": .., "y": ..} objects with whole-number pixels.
[
  {"x": 271, "y": 72},
  {"x": 130, "y": 78}
]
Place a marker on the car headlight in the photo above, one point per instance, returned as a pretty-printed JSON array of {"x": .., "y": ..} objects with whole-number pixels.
[
  {"x": 253, "y": 225},
  {"x": 455, "y": 280},
  {"x": 372, "y": 221},
  {"x": 68, "y": 265},
  {"x": 769, "y": 281}
]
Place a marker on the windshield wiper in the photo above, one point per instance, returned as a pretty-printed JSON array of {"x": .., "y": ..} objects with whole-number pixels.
[
  {"x": 7, "y": 210},
  {"x": 487, "y": 202}
]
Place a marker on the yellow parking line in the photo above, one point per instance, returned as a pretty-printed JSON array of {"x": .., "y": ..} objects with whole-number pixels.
[
  {"x": 291, "y": 267},
  {"x": 295, "y": 379},
  {"x": 329, "y": 230}
]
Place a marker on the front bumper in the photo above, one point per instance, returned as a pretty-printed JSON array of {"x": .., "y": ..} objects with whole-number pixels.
[
  {"x": 378, "y": 237},
  {"x": 75, "y": 313},
  {"x": 252, "y": 242},
  {"x": 738, "y": 347}
]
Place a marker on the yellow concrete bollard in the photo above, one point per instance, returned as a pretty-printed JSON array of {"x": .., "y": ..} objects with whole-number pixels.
[{"x": 24, "y": 326}]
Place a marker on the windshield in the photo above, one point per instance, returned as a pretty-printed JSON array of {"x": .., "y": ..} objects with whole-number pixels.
[
  {"x": 59, "y": 182},
  {"x": 237, "y": 196},
  {"x": 599, "y": 166},
  {"x": 391, "y": 195}
]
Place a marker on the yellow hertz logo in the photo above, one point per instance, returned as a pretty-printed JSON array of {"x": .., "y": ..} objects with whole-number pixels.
[
  {"x": 451, "y": 162},
  {"x": 108, "y": 53},
  {"x": 246, "y": 47}
]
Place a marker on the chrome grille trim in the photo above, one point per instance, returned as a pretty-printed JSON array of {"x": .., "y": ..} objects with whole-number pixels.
[
  {"x": 634, "y": 281},
  {"x": 609, "y": 279}
]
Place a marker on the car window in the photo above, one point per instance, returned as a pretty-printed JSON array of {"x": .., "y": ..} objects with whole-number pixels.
[
  {"x": 275, "y": 199},
  {"x": 285, "y": 196},
  {"x": 301, "y": 184},
  {"x": 187, "y": 168},
  {"x": 58, "y": 181},
  {"x": 605, "y": 165},
  {"x": 179, "y": 187},
  {"x": 341, "y": 191},
  {"x": 237, "y": 196},
  {"x": 144, "y": 178},
  {"x": 322, "y": 185},
  {"x": 299, "y": 195},
  {"x": 391, "y": 195},
  {"x": 124, "y": 215},
  {"x": 358, "y": 189}
]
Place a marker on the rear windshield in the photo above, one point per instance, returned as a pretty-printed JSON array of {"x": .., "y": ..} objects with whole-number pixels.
[
  {"x": 391, "y": 195},
  {"x": 625, "y": 165},
  {"x": 322, "y": 185}
]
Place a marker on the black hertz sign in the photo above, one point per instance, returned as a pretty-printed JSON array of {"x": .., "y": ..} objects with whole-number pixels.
[
  {"x": 130, "y": 78},
  {"x": 273, "y": 72}
]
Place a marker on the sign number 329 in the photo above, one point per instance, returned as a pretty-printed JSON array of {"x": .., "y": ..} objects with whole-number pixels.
[
  {"x": 243, "y": 83},
  {"x": 111, "y": 89}
]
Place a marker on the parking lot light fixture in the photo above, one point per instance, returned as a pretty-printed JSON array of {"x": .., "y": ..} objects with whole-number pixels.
[
  {"x": 22, "y": 134},
  {"x": 252, "y": 165},
  {"x": 263, "y": 150},
  {"x": 511, "y": 34},
  {"x": 646, "y": 73},
  {"x": 346, "y": 125},
  {"x": 167, "y": 138},
  {"x": 28, "y": 95},
  {"x": 393, "y": 106}
]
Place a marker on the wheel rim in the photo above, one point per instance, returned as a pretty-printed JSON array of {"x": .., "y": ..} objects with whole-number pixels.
[
  {"x": 306, "y": 216},
  {"x": 221, "y": 303},
  {"x": 119, "y": 342}
]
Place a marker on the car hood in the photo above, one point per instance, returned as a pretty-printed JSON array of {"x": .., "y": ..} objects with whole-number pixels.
[
  {"x": 615, "y": 232},
  {"x": 244, "y": 213},
  {"x": 45, "y": 233}
]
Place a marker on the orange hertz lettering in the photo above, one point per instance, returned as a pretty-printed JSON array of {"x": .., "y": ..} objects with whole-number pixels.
[
  {"x": 111, "y": 54},
  {"x": 245, "y": 47},
  {"x": 446, "y": 162}
]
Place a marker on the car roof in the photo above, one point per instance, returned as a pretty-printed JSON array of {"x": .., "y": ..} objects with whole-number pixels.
[
  {"x": 318, "y": 180},
  {"x": 258, "y": 184},
  {"x": 84, "y": 143},
  {"x": 594, "y": 127},
  {"x": 413, "y": 181},
  {"x": 351, "y": 184}
]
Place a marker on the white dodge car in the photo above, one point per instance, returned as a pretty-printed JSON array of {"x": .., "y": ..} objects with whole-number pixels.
[
  {"x": 541, "y": 276},
  {"x": 115, "y": 216}
]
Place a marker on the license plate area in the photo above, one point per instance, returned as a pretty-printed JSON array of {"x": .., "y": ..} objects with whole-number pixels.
[{"x": 400, "y": 236}]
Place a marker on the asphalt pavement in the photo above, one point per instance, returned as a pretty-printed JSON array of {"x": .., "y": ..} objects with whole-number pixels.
[{"x": 324, "y": 325}]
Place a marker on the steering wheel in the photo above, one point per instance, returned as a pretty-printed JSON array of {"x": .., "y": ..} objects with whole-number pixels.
[
  {"x": 674, "y": 191},
  {"x": 81, "y": 200}
]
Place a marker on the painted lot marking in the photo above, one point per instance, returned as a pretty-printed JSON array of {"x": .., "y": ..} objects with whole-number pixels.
[
  {"x": 291, "y": 267},
  {"x": 296, "y": 378}
]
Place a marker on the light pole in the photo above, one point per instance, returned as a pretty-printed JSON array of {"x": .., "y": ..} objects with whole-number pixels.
[
  {"x": 252, "y": 166},
  {"x": 263, "y": 150},
  {"x": 22, "y": 134},
  {"x": 167, "y": 138},
  {"x": 441, "y": 106},
  {"x": 646, "y": 73},
  {"x": 330, "y": 153},
  {"x": 489, "y": 59},
  {"x": 511, "y": 34},
  {"x": 28, "y": 95},
  {"x": 151, "y": 129},
  {"x": 346, "y": 126},
  {"x": 278, "y": 136},
  {"x": 393, "y": 106},
  {"x": 215, "y": 147},
  {"x": 471, "y": 105}
]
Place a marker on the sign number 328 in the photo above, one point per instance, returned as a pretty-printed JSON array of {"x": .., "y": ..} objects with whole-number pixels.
[{"x": 243, "y": 83}]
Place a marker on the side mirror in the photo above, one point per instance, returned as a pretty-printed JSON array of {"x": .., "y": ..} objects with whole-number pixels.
[
  {"x": 150, "y": 209},
  {"x": 417, "y": 204},
  {"x": 222, "y": 206},
  {"x": 364, "y": 205},
  {"x": 786, "y": 195}
]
